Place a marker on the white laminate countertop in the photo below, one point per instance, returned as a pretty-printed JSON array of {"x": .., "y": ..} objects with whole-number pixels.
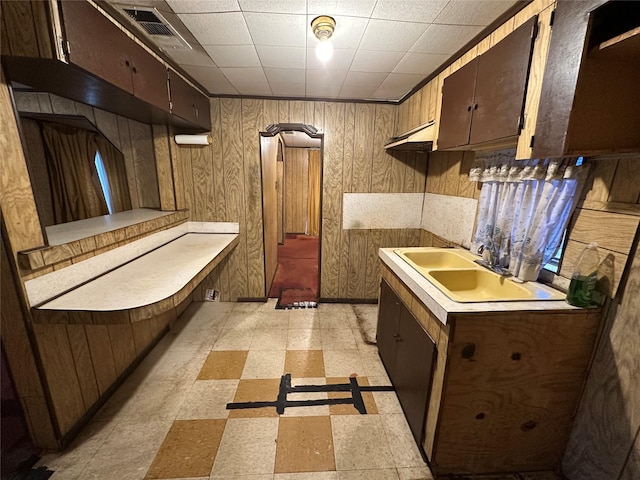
[
  {"x": 68, "y": 232},
  {"x": 148, "y": 279},
  {"x": 442, "y": 306}
]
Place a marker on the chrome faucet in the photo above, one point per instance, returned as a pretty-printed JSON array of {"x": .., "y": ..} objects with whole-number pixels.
[{"x": 490, "y": 259}]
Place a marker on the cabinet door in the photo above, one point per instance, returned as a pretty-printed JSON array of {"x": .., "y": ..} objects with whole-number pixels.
[
  {"x": 149, "y": 78},
  {"x": 387, "y": 333},
  {"x": 457, "y": 103},
  {"x": 187, "y": 103},
  {"x": 96, "y": 44},
  {"x": 501, "y": 84},
  {"x": 413, "y": 371}
]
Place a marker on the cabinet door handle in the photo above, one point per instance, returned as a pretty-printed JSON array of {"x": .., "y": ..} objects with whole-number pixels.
[
  {"x": 126, "y": 62},
  {"x": 135, "y": 70},
  {"x": 475, "y": 106},
  {"x": 469, "y": 108}
]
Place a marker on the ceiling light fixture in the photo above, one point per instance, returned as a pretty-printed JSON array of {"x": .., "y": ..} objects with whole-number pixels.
[{"x": 323, "y": 27}]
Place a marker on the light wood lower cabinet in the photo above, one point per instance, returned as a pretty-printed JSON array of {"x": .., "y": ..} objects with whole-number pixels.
[{"x": 505, "y": 387}]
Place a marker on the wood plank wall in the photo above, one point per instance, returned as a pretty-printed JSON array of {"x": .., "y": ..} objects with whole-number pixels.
[
  {"x": 448, "y": 174},
  {"x": 609, "y": 214},
  {"x": 17, "y": 345},
  {"x": 296, "y": 189},
  {"x": 608, "y": 423},
  {"x": 134, "y": 139},
  {"x": 221, "y": 182},
  {"x": 25, "y": 30}
]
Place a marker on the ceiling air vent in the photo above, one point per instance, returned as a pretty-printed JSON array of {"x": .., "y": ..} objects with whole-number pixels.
[{"x": 150, "y": 21}]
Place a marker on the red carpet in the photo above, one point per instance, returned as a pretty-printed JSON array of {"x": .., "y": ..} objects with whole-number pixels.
[{"x": 297, "y": 266}]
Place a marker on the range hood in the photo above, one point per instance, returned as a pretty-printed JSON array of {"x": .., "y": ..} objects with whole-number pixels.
[{"x": 420, "y": 138}]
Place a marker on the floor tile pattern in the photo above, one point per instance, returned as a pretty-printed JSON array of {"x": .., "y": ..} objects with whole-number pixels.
[{"x": 169, "y": 419}]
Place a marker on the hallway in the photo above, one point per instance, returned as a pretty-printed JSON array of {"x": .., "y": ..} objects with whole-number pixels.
[
  {"x": 169, "y": 419},
  {"x": 297, "y": 265}
]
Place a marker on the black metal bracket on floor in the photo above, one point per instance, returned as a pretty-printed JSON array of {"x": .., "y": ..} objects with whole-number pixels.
[{"x": 285, "y": 389}]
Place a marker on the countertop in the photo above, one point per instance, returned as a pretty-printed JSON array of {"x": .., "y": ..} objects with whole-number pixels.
[
  {"x": 148, "y": 279},
  {"x": 442, "y": 306}
]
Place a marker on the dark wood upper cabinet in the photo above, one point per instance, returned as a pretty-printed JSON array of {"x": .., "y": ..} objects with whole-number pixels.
[
  {"x": 483, "y": 102},
  {"x": 187, "y": 103},
  {"x": 99, "y": 64},
  {"x": 457, "y": 102},
  {"x": 590, "y": 100},
  {"x": 98, "y": 46}
]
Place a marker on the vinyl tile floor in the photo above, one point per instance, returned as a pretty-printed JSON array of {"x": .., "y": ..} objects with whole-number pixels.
[{"x": 169, "y": 419}]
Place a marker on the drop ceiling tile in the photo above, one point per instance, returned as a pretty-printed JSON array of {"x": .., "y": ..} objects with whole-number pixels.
[
  {"x": 323, "y": 91},
  {"x": 353, "y": 8},
  {"x": 242, "y": 76},
  {"x": 404, "y": 80},
  {"x": 282, "y": 57},
  {"x": 398, "y": 84},
  {"x": 420, "y": 63},
  {"x": 364, "y": 79},
  {"x": 203, "y": 6},
  {"x": 423, "y": 11},
  {"x": 347, "y": 34},
  {"x": 190, "y": 57},
  {"x": 391, "y": 36},
  {"x": 218, "y": 28},
  {"x": 211, "y": 79},
  {"x": 393, "y": 93},
  {"x": 326, "y": 77},
  {"x": 444, "y": 39},
  {"x": 255, "y": 88},
  {"x": 233, "y": 55},
  {"x": 356, "y": 92},
  {"x": 288, "y": 89},
  {"x": 341, "y": 60},
  {"x": 285, "y": 75},
  {"x": 479, "y": 12},
  {"x": 273, "y": 6},
  {"x": 369, "y": 61},
  {"x": 277, "y": 29}
]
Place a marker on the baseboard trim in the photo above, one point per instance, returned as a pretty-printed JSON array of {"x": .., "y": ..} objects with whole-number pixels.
[{"x": 348, "y": 300}]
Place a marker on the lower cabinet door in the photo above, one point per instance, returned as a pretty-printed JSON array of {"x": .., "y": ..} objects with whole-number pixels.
[
  {"x": 413, "y": 371},
  {"x": 387, "y": 332}
]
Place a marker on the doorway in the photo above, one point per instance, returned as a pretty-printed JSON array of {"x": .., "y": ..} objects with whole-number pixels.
[{"x": 291, "y": 156}]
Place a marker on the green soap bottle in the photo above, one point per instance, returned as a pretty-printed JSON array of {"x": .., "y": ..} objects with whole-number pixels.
[{"x": 584, "y": 277}]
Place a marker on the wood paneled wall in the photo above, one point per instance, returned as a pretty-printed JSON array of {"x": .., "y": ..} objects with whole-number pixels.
[
  {"x": 134, "y": 139},
  {"x": 17, "y": 345},
  {"x": 81, "y": 361},
  {"x": 355, "y": 162},
  {"x": 608, "y": 215},
  {"x": 448, "y": 174},
  {"x": 221, "y": 182},
  {"x": 296, "y": 189},
  {"x": 604, "y": 441},
  {"x": 25, "y": 31}
]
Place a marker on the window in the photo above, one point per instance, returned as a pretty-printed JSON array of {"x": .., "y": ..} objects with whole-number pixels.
[
  {"x": 104, "y": 181},
  {"x": 554, "y": 261}
]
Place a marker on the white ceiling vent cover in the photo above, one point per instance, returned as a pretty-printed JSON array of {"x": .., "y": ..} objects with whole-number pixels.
[{"x": 151, "y": 22}]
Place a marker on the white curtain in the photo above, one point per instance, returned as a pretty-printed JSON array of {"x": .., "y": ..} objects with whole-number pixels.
[{"x": 524, "y": 208}]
